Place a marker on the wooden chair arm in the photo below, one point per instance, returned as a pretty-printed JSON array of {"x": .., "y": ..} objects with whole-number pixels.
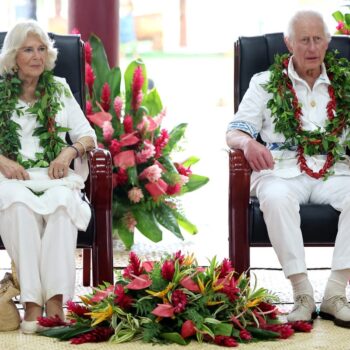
[{"x": 239, "y": 193}]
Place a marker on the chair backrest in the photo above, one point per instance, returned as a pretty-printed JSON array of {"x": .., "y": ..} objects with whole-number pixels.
[
  {"x": 69, "y": 64},
  {"x": 256, "y": 54}
]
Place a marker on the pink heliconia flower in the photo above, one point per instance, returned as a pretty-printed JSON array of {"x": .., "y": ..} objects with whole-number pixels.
[
  {"x": 89, "y": 78},
  {"x": 125, "y": 159},
  {"x": 135, "y": 195},
  {"x": 340, "y": 25},
  {"x": 88, "y": 107},
  {"x": 107, "y": 130},
  {"x": 151, "y": 173},
  {"x": 88, "y": 52},
  {"x": 128, "y": 124},
  {"x": 106, "y": 97},
  {"x": 157, "y": 189},
  {"x": 136, "y": 88},
  {"x": 130, "y": 221},
  {"x": 118, "y": 106},
  {"x": 146, "y": 153},
  {"x": 99, "y": 118},
  {"x": 75, "y": 31},
  {"x": 159, "y": 118},
  {"x": 163, "y": 310}
]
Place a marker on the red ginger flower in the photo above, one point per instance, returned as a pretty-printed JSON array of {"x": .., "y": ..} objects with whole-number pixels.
[
  {"x": 179, "y": 256},
  {"x": 285, "y": 330},
  {"x": 77, "y": 309},
  {"x": 173, "y": 189},
  {"x": 182, "y": 170},
  {"x": 88, "y": 52},
  {"x": 120, "y": 178},
  {"x": 118, "y": 105},
  {"x": 97, "y": 335},
  {"x": 269, "y": 310},
  {"x": 114, "y": 147},
  {"x": 134, "y": 267},
  {"x": 89, "y": 78},
  {"x": 106, "y": 97},
  {"x": 161, "y": 142},
  {"x": 53, "y": 321},
  {"x": 245, "y": 335},
  {"x": 88, "y": 107},
  {"x": 75, "y": 30},
  {"x": 168, "y": 270},
  {"x": 128, "y": 124},
  {"x": 179, "y": 301},
  {"x": 231, "y": 290},
  {"x": 301, "y": 326},
  {"x": 224, "y": 340},
  {"x": 136, "y": 89},
  {"x": 225, "y": 268},
  {"x": 121, "y": 299}
]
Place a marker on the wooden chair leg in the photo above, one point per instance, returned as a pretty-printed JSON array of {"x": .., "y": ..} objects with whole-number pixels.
[{"x": 86, "y": 267}]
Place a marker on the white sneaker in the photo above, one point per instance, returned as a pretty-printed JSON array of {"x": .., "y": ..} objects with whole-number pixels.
[
  {"x": 336, "y": 309},
  {"x": 304, "y": 309}
]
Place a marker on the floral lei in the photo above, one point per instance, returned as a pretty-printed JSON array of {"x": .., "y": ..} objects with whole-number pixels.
[
  {"x": 45, "y": 109},
  {"x": 287, "y": 112}
]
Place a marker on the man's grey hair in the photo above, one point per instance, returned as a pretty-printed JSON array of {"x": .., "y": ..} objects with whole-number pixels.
[
  {"x": 305, "y": 15},
  {"x": 15, "y": 38}
]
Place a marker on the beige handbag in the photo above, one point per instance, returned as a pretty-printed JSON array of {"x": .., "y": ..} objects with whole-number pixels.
[{"x": 9, "y": 314}]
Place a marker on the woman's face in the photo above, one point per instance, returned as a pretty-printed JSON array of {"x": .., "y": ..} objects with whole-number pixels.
[{"x": 31, "y": 58}]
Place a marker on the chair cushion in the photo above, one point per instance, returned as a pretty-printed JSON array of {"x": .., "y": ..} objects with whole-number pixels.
[{"x": 319, "y": 224}]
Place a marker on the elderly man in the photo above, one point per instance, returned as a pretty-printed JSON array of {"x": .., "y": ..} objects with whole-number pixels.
[{"x": 300, "y": 108}]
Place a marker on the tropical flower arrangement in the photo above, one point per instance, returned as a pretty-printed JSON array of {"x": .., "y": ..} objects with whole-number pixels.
[
  {"x": 147, "y": 182},
  {"x": 174, "y": 301}
]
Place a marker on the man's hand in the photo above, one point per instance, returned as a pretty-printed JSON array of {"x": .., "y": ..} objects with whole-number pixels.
[
  {"x": 258, "y": 156},
  {"x": 59, "y": 167},
  {"x": 12, "y": 170}
]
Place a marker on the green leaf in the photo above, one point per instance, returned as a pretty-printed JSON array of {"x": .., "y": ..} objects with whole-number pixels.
[
  {"x": 262, "y": 333},
  {"x": 190, "y": 161},
  {"x": 153, "y": 102},
  {"x": 338, "y": 16},
  {"x": 147, "y": 225},
  {"x": 132, "y": 174},
  {"x": 65, "y": 333},
  {"x": 195, "y": 182},
  {"x": 347, "y": 19},
  {"x": 174, "y": 338},
  {"x": 124, "y": 234},
  {"x": 166, "y": 218},
  {"x": 174, "y": 137},
  {"x": 185, "y": 223},
  {"x": 223, "y": 329}
]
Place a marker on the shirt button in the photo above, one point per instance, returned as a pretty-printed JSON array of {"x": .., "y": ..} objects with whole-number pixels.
[{"x": 313, "y": 103}]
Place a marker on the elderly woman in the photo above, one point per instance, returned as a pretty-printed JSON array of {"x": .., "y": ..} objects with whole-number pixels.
[{"x": 41, "y": 207}]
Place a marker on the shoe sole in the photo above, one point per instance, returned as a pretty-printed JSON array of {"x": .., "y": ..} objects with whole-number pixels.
[{"x": 337, "y": 321}]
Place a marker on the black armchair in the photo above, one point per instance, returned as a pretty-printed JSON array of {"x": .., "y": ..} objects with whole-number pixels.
[
  {"x": 247, "y": 228},
  {"x": 97, "y": 239}
]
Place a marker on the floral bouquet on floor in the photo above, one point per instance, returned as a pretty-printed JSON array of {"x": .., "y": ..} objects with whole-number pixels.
[
  {"x": 147, "y": 182},
  {"x": 173, "y": 301}
]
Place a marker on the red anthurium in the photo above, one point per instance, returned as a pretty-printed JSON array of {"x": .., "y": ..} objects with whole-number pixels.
[
  {"x": 156, "y": 189},
  {"x": 188, "y": 329},
  {"x": 188, "y": 283},
  {"x": 128, "y": 139},
  {"x": 139, "y": 282},
  {"x": 148, "y": 265},
  {"x": 99, "y": 118},
  {"x": 163, "y": 310},
  {"x": 102, "y": 294},
  {"x": 124, "y": 159}
]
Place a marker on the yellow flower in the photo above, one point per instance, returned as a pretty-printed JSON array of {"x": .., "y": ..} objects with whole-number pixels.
[
  {"x": 100, "y": 316},
  {"x": 85, "y": 300},
  {"x": 254, "y": 302},
  {"x": 162, "y": 293}
]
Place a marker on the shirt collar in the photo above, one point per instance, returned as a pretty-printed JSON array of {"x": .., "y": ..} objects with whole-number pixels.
[{"x": 322, "y": 79}]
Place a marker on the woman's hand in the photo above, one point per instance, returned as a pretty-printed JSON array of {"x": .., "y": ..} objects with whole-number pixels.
[
  {"x": 59, "y": 167},
  {"x": 12, "y": 170}
]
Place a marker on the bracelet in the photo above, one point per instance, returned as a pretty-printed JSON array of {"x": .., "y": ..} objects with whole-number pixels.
[
  {"x": 84, "y": 147},
  {"x": 76, "y": 150}
]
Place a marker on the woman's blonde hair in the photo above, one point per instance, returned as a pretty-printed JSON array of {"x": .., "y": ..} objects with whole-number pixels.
[{"x": 14, "y": 40}]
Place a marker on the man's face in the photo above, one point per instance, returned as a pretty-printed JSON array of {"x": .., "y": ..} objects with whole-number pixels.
[{"x": 308, "y": 45}]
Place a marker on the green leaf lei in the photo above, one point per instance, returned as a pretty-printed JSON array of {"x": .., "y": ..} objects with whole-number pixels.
[
  {"x": 286, "y": 111},
  {"x": 48, "y": 94}
]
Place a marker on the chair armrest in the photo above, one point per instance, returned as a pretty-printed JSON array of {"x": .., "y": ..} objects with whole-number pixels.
[
  {"x": 100, "y": 195},
  {"x": 239, "y": 192}
]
